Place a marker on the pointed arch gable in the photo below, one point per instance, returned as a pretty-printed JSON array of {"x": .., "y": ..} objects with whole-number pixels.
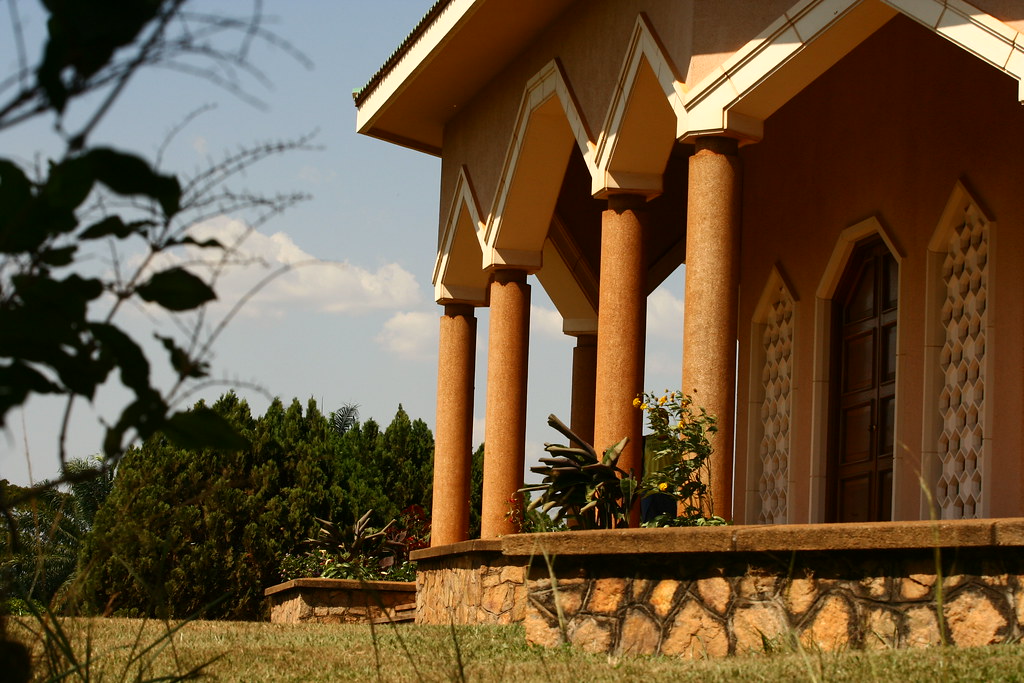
[
  {"x": 643, "y": 118},
  {"x": 458, "y": 276},
  {"x": 815, "y": 34},
  {"x": 548, "y": 124},
  {"x": 569, "y": 282}
]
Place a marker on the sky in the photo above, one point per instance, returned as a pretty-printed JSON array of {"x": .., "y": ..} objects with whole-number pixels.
[{"x": 356, "y": 321}]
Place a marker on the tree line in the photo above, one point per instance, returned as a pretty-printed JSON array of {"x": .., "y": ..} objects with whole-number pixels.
[{"x": 174, "y": 531}]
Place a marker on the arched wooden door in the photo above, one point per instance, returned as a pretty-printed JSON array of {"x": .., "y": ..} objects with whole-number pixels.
[{"x": 863, "y": 404}]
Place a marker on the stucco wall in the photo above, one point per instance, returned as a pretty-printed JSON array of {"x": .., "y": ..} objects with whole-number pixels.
[
  {"x": 887, "y": 132},
  {"x": 590, "y": 41}
]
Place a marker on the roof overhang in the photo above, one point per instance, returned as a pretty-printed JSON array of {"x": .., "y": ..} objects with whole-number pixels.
[{"x": 464, "y": 44}]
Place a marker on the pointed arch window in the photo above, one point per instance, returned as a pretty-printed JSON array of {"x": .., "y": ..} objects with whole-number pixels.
[
  {"x": 772, "y": 389},
  {"x": 960, "y": 320}
]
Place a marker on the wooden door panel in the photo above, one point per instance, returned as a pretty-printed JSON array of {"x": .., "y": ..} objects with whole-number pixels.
[
  {"x": 856, "y": 434},
  {"x": 855, "y": 499},
  {"x": 859, "y": 362},
  {"x": 864, "y": 355}
]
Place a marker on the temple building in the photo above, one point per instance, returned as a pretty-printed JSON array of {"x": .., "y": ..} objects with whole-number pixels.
[{"x": 839, "y": 178}]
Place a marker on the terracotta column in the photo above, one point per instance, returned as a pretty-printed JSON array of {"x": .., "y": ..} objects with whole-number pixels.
[
  {"x": 712, "y": 288},
  {"x": 453, "y": 438},
  {"x": 584, "y": 377},
  {"x": 621, "y": 330},
  {"x": 505, "y": 437}
]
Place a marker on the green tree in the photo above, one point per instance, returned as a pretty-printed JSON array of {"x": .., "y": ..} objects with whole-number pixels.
[
  {"x": 387, "y": 471},
  {"x": 476, "y": 491},
  {"x": 185, "y": 529},
  {"x": 39, "y": 551}
]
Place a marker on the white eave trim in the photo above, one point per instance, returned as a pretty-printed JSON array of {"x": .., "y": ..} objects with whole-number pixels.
[{"x": 415, "y": 58}]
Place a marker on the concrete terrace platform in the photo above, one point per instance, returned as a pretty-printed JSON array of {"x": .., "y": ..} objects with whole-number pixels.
[{"x": 724, "y": 590}]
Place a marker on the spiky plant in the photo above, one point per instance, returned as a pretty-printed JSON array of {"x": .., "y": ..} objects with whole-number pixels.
[
  {"x": 591, "y": 492},
  {"x": 358, "y": 549}
]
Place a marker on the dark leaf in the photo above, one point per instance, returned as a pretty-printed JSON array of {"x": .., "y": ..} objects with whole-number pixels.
[
  {"x": 176, "y": 289},
  {"x": 210, "y": 243},
  {"x": 202, "y": 428},
  {"x": 113, "y": 226},
  {"x": 58, "y": 257},
  {"x": 16, "y": 382},
  {"x": 16, "y": 233},
  {"x": 145, "y": 415},
  {"x": 127, "y": 174},
  {"x": 126, "y": 354},
  {"x": 69, "y": 183},
  {"x": 183, "y": 364}
]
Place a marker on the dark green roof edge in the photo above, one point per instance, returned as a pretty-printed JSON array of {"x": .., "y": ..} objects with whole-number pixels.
[{"x": 360, "y": 94}]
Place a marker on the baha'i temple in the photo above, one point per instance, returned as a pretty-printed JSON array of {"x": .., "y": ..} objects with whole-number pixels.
[{"x": 841, "y": 180}]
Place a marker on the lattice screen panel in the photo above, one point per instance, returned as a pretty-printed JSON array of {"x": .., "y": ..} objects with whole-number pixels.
[
  {"x": 776, "y": 378},
  {"x": 962, "y": 400}
]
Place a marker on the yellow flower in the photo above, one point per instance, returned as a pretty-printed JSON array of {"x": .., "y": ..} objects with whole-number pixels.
[
  {"x": 662, "y": 486},
  {"x": 636, "y": 402},
  {"x": 661, "y": 401},
  {"x": 643, "y": 406}
]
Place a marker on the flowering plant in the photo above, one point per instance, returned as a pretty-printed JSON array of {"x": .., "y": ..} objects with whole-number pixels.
[
  {"x": 679, "y": 455},
  {"x": 591, "y": 491}
]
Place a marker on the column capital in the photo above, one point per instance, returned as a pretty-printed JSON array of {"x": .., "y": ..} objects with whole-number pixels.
[
  {"x": 717, "y": 144},
  {"x": 624, "y": 201},
  {"x": 457, "y": 309},
  {"x": 508, "y": 275}
]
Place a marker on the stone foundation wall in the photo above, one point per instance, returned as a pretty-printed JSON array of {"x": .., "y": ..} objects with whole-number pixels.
[
  {"x": 469, "y": 583},
  {"x": 724, "y": 590},
  {"x": 825, "y": 601},
  {"x": 341, "y": 601}
]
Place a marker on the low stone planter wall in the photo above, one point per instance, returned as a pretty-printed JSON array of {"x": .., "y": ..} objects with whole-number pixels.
[
  {"x": 341, "y": 601},
  {"x": 715, "y": 591},
  {"x": 469, "y": 583}
]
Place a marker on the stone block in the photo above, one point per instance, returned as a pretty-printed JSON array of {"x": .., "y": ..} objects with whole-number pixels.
[
  {"x": 539, "y": 631},
  {"x": 757, "y": 584},
  {"x": 637, "y": 587},
  {"x": 973, "y": 619},
  {"x": 754, "y": 622},
  {"x": 800, "y": 594},
  {"x": 695, "y": 633},
  {"x": 663, "y": 596},
  {"x": 922, "y": 627},
  {"x": 592, "y": 635},
  {"x": 881, "y": 630},
  {"x": 606, "y": 595},
  {"x": 716, "y": 593},
  {"x": 916, "y": 586},
  {"x": 830, "y": 629},
  {"x": 640, "y": 634}
]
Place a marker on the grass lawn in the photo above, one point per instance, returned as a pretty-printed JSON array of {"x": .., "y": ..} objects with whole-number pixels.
[{"x": 271, "y": 652}]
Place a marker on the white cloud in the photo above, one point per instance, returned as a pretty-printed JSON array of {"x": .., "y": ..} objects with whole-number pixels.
[
  {"x": 200, "y": 146},
  {"x": 664, "y": 315},
  {"x": 545, "y": 321},
  {"x": 479, "y": 436},
  {"x": 300, "y": 281},
  {"x": 411, "y": 335},
  {"x": 314, "y": 175}
]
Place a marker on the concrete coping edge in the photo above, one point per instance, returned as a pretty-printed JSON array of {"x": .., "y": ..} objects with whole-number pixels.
[
  {"x": 490, "y": 545},
  {"x": 342, "y": 584},
  {"x": 774, "y": 538}
]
